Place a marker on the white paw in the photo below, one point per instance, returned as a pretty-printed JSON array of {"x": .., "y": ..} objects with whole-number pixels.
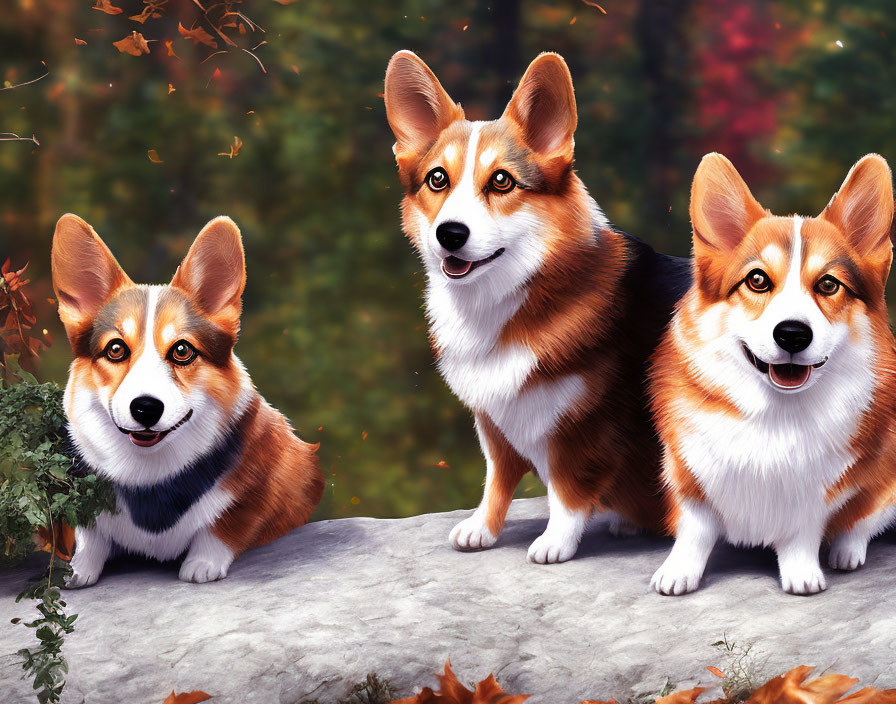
[
  {"x": 79, "y": 579},
  {"x": 85, "y": 572},
  {"x": 200, "y": 570},
  {"x": 847, "y": 553},
  {"x": 677, "y": 576},
  {"x": 803, "y": 579},
  {"x": 471, "y": 534},
  {"x": 549, "y": 547}
]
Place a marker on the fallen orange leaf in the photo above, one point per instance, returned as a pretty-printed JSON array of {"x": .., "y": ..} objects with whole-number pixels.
[
  {"x": 187, "y": 697},
  {"x": 716, "y": 671},
  {"x": 135, "y": 45},
  {"x": 685, "y": 697},
  {"x": 791, "y": 688},
  {"x": 154, "y": 157},
  {"x": 451, "y": 691}
]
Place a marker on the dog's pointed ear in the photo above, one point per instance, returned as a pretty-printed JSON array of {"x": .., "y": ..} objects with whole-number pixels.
[
  {"x": 85, "y": 273},
  {"x": 214, "y": 270},
  {"x": 544, "y": 106},
  {"x": 722, "y": 208},
  {"x": 863, "y": 207},
  {"x": 417, "y": 107}
]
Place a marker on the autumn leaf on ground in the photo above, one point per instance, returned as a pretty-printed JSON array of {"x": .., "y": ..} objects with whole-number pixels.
[
  {"x": 154, "y": 157},
  {"x": 198, "y": 35},
  {"x": 234, "y": 148},
  {"x": 451, "y": 691},
  {"x": 792, "y": 688},
  {"x": 107, "y": 7},
  {"x": 688, "y": 696},
  {"x": 187, "y": 698},
  {"x": 135, "y": 45}
]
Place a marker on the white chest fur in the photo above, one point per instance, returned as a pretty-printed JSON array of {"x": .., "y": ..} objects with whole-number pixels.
[
  {"x": 489, "y": 376},
  {"x": 767, "y": 475},
  {"x": 171, "y": 542}
]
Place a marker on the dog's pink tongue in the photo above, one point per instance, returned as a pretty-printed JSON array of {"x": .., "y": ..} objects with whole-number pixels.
[
  {"x": 789, "y": 376},
  {"x": 456, "y": 266}
]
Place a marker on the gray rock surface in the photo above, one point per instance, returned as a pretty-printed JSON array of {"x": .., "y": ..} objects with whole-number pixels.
[{"x": 309, "y": 615}]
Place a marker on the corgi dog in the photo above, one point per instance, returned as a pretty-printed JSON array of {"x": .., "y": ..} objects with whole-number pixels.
[
  {"x": 542, "y": 316},
  {"x": 158, "y": 404},
  {"x": 775, "y": 386}
]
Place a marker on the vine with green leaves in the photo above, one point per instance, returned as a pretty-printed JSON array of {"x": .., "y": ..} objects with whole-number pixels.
[{"x": 41, "y": 500}]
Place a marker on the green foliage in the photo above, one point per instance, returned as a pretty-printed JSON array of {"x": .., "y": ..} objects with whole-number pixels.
[
  {"x": 46, "y": 664},
  {"x": 36, "y": 488},
  {"x": 37, "y": 492}
]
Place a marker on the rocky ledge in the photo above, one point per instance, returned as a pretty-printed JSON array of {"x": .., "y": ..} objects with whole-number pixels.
[{"x": 309, "y": 615}]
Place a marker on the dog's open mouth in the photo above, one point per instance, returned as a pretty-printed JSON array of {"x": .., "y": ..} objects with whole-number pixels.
[
  {"x": 457, "y": 268},
  {"x": 788, "y": 377},
  {"x": 148, "y": 438}
]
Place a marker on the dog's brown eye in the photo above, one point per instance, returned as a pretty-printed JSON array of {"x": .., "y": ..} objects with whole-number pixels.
[
  {"x": 116, "y": 351},
  {"x": 437, "y": 179},
  {"x": 502, "y": 182},
  {"x": 827, "y": 286},
  {"x": 758, "y": 281},
  {"x": 182, "y": 352}
]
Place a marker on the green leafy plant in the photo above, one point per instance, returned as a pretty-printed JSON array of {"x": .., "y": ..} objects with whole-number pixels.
[
  {"x": 743, "y": 667},
  {"x": 41, "y": 499}
]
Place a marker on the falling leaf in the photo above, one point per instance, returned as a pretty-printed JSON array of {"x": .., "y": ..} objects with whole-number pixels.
[
  {"x": 135, "y": 45},
  {"x": 716, "y": 671},
  {"x": 234, "y": 148},
  {"x": 320, "y": 428},
  {"x": 443, "y": 464},
  {"x": 107, "y": 7},
  {"x": 573, "y": 20},
  {"x": 154, "y": 157},
  {"x": 465, "y": 28},
  {"x": 594, "y": 4},
  {"x": 364, "y": 435},
  {"x": 451, "y": 691},
  {"x": 685, "y": 697},
  {"x": 171, "y": 89},
  {"x": 295, "y": 69},
  {"x": 153, "y": 9},
  {"x": 80, "y": 42},
  {"x": 355, "y": 500},
  {"x": 187, "y": 698},
  {"x": 170, "y": 48},
  {"x": 198, "y": 35}
]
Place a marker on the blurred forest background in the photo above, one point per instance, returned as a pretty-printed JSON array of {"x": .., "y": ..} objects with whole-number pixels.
[{"x": 147, "y": 141}]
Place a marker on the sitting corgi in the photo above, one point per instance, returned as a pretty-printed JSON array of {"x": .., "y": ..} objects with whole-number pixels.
[
  {"x": 158, "y": 404},
  {"x": 542, "y": 316},
  {"x": 774, "y": 387}
]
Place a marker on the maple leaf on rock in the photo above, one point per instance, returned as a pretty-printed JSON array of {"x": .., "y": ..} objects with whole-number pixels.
[
  {"x": 451, "y": 691},
  {"x": 792, "y": 688},
  {"x": 187, "y": 698}
]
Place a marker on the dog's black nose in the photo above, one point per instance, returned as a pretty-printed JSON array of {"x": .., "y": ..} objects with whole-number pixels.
[
  {"x": 147, "y": 410},
  {"x": 792, "y": 335},
  {"x": 452, "y": 235}
]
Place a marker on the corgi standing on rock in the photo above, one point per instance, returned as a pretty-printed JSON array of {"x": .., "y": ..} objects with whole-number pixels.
[
  {"x": 542, "y": 316},
  {"x": 775, "y": 387},
  {"x": 158, "y": 404}
]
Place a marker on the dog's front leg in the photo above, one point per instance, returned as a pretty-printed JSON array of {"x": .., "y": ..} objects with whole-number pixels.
[
  {"x": 799, "y": 564},
  {"x": 92, "y": 549},
  {"x": 207, "y": 560},
  {"x": 696, "y": 534},
  {"x": 503, "y": 470},
  {"x": 849, "y": 548},
  {"x": 560, "y": 539}
]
